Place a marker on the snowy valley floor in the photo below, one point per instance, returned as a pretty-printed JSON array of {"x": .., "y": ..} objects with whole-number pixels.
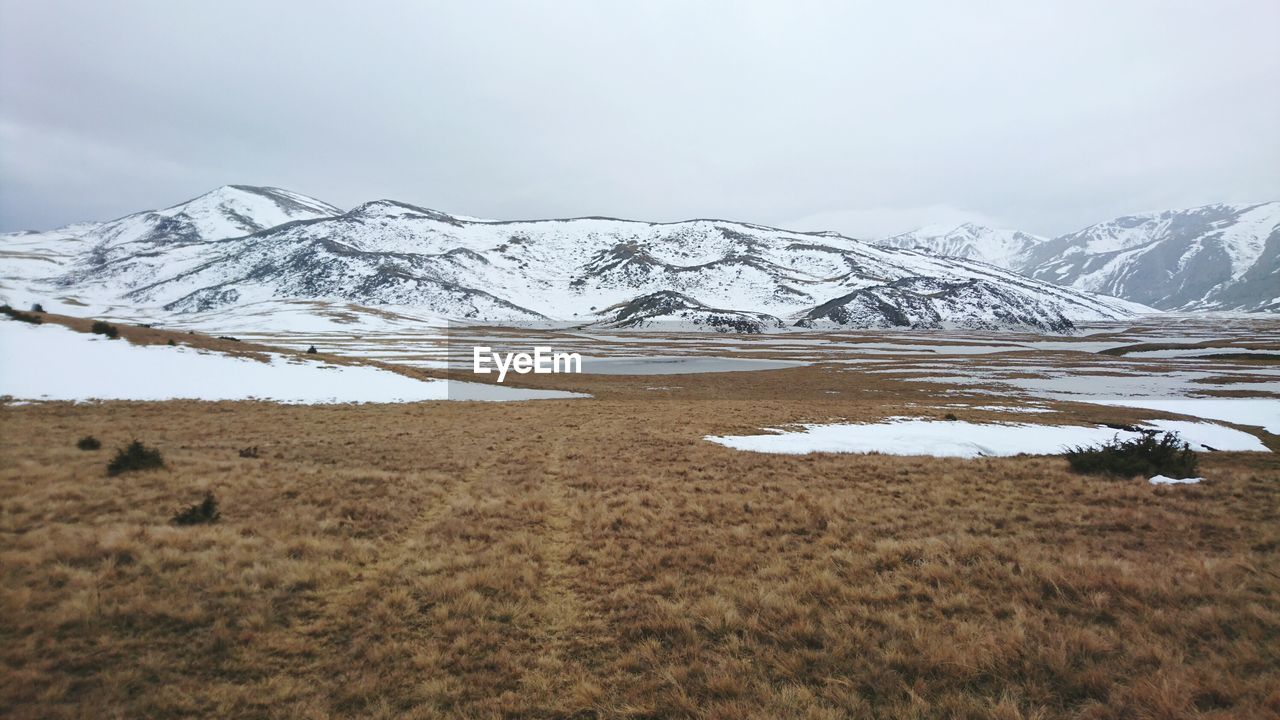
[{"x": 600, "y": 557}]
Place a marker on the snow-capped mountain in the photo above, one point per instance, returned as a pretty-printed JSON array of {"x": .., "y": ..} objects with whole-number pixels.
[
  {"x": 221, "y": 251},
  {"x": 1002, "y": 247},
  {"x": 1216, "y": 257}
]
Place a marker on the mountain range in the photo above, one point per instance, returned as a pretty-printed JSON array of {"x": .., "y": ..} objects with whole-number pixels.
[
  {"x": 239, "y": 245},
  {"x": 1216, "y": 257}
]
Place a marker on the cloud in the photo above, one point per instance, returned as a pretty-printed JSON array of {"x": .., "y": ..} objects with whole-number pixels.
[
  {"x": 45, "y": 170},
  {"x": 1045, "y": 115}
]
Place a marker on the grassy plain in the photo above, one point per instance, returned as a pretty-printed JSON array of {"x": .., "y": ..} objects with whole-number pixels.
[{"x": 598, "y": 558}]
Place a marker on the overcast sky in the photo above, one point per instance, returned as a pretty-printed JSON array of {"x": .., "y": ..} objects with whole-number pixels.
[{"x": 867, "y": 118}]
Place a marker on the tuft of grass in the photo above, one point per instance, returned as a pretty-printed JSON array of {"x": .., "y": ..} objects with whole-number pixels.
[
  {"x": 19, "y": 315},
  {"x": 1151, "y": 453},
  {"x": 202, "y": 513},
  {"x": 102, "y": 328},
  {"x": 89, "y": 442},
  {"x": 134, "y": 456}
]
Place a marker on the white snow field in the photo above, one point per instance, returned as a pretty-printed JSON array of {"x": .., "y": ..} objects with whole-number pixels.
[
  {"x": 51, "y": 362},
  {"x": 1174, "y": 386},
  {"x": 940, "y": 438},
  {"x": 1262, "y": 412}
]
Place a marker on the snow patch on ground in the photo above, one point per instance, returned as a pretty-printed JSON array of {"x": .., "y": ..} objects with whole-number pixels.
[
  {"x": 1262, "y": 412},
  {"x": 1170, "y": 353},
  {"x": 1209, "y": 436},
  {"x": 51, "y": 362},
  {"x": 1162, "y": 480},
  {"x": 915, "y": 436}
]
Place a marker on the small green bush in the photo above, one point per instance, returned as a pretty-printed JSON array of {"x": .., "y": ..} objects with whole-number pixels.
[
  {"x": 102, "y": 328},
  {"x": 19, "y": 315},
  {"x": 1149, "y": 454},
  {"x": 134, "y": 456},
  {"x": 203, "y": 512},
  {"x": 89, "y": 442}
]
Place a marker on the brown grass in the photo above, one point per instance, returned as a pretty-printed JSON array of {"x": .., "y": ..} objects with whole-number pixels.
[{"x": 599, "y": 559}]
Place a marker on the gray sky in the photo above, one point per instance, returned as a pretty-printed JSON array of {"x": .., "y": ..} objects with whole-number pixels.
[{"x": 867, "y": 118}]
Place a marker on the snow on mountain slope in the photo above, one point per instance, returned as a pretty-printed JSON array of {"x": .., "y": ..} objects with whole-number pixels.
[
  {"x": 1216, "y": 257},
  {"x": 28, "y": 256},
  {"x": 219, "y": 252},
  {"x": 923, "y": 302},
  {"x": 1001, "y": 247},
  {"x": 674, "y": 312}
]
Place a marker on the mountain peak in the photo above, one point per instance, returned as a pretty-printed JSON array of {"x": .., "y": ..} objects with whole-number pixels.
[
  {"x": 970, "y": 240},
  {"x": 255, "y": 197},
  {"x": 396, "y": 209},
  {"x": 225, "y": 212}
]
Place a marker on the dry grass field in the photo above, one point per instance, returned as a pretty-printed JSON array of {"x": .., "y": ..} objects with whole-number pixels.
[{"x": 598, "y": 558}]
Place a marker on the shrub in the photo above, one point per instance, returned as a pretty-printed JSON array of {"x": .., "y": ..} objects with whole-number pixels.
[
  {"x": 102, "y": 328},
  {"x": 1149, "y": 454},
  {"x": 19, "y": 315},
  {"x": 312, "y": 350},
  {"x": 89, "y": 442},
  {"x": 203, "y": 512},
  {"x": 249, "y": 452},
  {"x": 171, "y": 342},
  {"x": 950, "y": 416},
  {"x": 135, "y": 456}
]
